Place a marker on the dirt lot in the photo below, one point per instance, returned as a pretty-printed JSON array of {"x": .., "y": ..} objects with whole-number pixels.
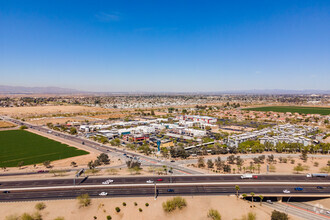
[
  {"x": 23, "y": 112},
  {"x": 5, "y": 124},
  {"x": 197, "y": 207},
  {"x": 280, "y": 168}
]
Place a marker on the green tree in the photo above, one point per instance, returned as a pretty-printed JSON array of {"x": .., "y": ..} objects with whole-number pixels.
[
  {"x": 201, "y": 162},
  {"x": 73, "y": 131},
  {"x": 298, "y": 168},
  {"x": 276, "y": 215},
  {"x": 237, "y": 190},
  {"x": 84, "y": 200},
  {"x": 252, "y": 194},
  {"x": 210, "y": 164},
  {"x": 103, "y": 158},
  {"x": 261, "y": 198},
  {"x": 40, "y": 206}
]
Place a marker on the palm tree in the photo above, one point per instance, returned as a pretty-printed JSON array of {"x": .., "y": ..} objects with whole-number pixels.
[
  {"x": 261, "y": 198},
  {"x": 237, "y": 189},
  {"x": 244, "y": 196},
  {"x": 252, "y": 194}
]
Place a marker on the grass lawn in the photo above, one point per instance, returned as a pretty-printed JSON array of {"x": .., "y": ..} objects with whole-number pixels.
[
  {"x": 298, "y": 109},
  {"x": 20, "y": 145}
]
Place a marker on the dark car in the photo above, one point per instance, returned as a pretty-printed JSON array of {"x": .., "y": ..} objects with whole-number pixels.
[
  {"x": 172, "y": 161},
  {"x": 320, "y": 187},
  {"x": 170, "y": 190},
  {"x": 6, "y": 191},
  {"x": 41, "y": 171},
  {"x": 298, "y": 189}
]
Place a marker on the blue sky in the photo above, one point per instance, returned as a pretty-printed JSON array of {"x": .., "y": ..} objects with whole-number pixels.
[{"x": 152, "y": 46}]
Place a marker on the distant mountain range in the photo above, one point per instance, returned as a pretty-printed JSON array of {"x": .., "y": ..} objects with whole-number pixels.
[
  {"x": 36, "y": 90},
  {"x": 276, "y": 92},
  {"x": 59, "y": 90}
]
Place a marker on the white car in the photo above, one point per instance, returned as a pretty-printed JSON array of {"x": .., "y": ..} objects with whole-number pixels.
[
  {"x": 107, "y": 181},
  {"x": 308, "y": 175},
  {"x": 286, "y": 191},
  {"x": 150, "y": 181},
  {"x": 103, "y": 194}
]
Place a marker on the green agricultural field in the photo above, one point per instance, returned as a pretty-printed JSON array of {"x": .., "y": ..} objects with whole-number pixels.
[
  {"x": 20, "y": 145},
  {"x": 298, "y": 109}
]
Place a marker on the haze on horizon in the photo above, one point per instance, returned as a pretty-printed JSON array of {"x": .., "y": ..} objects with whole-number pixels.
[{"x": 177, "y": 46}]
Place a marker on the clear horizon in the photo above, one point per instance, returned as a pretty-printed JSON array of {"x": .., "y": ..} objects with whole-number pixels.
[{"x": 185, "y": 46}]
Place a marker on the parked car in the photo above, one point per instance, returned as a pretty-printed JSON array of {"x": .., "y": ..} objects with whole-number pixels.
[
  {"x": 320, "y": 187},
  {"x": 40, "y": 171},
  {"x": 170, "y": 190},
  {"x": 103, "y": 194},
  {"x": 286, "y": 191},
  {"x": 255, "y": 177},
  {"x": 150, "y": 181},
  {"x": 172, "y": 161},
  {"x": 159, "y": 180},
  {"x": 6, "y": 191},
  {"x": 298, "y": 189}
]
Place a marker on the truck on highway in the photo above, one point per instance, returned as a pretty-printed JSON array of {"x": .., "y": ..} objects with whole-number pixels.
[
  {"x": 317, "y": 175},
  {"x": 246, "y": 176}
]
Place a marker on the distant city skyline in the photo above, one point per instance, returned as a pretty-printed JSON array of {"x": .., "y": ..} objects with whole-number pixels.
[{"x": 177, "y": 46}]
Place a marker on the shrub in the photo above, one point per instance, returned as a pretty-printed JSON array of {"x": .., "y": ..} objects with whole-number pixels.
[
  {"x": 172, "y": 204},
  {"x": 12, "y": 217},
  {"x": 95, "y": 217},
  {"x": 117, "y": 209},
  {"x": 40, "y": 206},
  {"x": 124, "y": 203},
  {"x": 316, "y": 164},
  {"x": 109, "y": 217},
  {"x": 140, "y": 210},
  {"x": 147, "y": 204},
  {"x": 135, "y": 203},
  {"x": 325, "y": 169},
  {"x": 84, "y": 200},
  {"x": 23, "y": 127},
  {"x": 35, "y": 216},
  {"x": 276, "y": 215},
  {"x": 59, "y": 218},
  {"x": 249, "y": 216},
  {"x": 214, "y": 214}
]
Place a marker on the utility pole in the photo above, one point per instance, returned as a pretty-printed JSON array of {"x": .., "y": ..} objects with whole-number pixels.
[{"x": 155, "y": 191}]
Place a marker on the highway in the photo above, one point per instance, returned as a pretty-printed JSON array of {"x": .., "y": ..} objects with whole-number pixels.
[
  {"x": 162, "y": 189},
  {"x": 299, "y": 210},
  {"x": 165, "y": 179},
  {"x": 100, "y": 147}
]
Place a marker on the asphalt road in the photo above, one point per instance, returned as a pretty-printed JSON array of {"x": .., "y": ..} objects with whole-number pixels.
[
  {"x": 298, "y": 211},
  {"x": 150, "y": 191},
  {"x": 101, "y": 148},
  {"x": 165, "y": 179}
]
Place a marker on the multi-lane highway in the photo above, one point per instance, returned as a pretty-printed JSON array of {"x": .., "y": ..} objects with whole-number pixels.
[
  {"x": 164, "y": 179},
  {"x": 161, "y": 189},
  {"x": 100, "y": 147}
]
